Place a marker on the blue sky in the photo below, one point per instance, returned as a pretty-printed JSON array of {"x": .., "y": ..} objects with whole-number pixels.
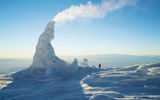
[{"x": 129, "y": 30}]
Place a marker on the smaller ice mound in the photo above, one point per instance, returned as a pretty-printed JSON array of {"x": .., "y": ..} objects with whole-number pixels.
[
  {"x": 85, "y": 63},
  {"x": 137, "y": 81},
  {"x": 45, "y": 62}
]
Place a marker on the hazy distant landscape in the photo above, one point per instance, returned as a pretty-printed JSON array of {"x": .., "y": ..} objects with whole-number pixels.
[
  {"x": 13, "y": 64},
  {"x": 107, "y": 61}
]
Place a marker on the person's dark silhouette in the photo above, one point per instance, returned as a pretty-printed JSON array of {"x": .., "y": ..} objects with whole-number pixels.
[{"x": 99, "y": 66}]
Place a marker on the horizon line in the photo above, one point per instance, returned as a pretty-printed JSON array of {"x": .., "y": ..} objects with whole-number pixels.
[{"x": 80, "y": 56}]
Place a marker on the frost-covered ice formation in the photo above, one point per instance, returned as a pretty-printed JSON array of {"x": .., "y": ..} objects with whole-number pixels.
[
  {"x": 45, "y": 55},
  {"x": 45, "y": 62},
  {"x": 85, "y": 63}
]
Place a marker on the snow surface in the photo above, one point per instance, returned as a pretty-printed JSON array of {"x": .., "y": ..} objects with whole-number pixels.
[{"x": 127, "y": 83}]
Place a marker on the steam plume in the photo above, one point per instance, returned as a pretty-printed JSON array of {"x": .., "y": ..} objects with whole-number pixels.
[{"x": 91, "y": 10}]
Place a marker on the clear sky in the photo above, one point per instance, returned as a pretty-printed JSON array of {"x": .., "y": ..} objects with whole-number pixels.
[{"x": 130, "y": 30}]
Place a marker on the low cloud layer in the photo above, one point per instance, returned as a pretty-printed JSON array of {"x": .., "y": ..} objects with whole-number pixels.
[{"x": 91, "y": 10}]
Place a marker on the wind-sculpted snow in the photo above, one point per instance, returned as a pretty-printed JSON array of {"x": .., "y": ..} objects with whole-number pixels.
[
  {"x": 131, "y": 82},
  {"x": 53, "y": 88},
  {"x": 5, "y": 80},
  {"x": 137, "y": 82}
]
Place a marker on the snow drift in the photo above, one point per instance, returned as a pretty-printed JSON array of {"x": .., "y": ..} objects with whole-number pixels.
[{"x": 132, "y": 82}]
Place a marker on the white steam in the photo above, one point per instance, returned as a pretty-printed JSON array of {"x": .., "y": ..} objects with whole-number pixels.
[{"x": 91, "y": 10}]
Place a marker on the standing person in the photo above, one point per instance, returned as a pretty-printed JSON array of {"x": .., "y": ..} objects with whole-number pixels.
[{"x": 99, "y": 65}]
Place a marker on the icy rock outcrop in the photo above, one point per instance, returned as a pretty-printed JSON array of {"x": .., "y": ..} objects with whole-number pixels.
[{"x": 45, "y": 62}]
